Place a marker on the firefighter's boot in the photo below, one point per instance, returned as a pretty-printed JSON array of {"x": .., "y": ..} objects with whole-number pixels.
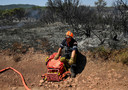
[{"x": 73, "y": 70}]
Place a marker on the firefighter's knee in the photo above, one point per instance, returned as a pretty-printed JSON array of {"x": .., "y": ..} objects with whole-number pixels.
[
  {"x": 72, "y": 61},
  {"x": 63, "y": 59}
]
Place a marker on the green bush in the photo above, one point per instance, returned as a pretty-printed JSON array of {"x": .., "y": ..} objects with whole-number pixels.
[
  {"x": 113, "y": 55},
  {"x": 101, "y": 52},
  {"x": 121, "y": 56}
]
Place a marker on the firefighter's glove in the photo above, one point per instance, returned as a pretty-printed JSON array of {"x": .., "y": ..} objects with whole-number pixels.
[
  {"x": 71, "y": 61},
  {"x": 56, "y": 57}
]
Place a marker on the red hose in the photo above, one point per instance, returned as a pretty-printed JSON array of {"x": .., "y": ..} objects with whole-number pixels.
[{"x": 19, "y": 74}]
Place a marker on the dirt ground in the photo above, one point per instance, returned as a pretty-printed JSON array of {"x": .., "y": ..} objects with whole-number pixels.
[
  {"x": 96, "y": 75},
  {"x": 31, "y": 65}
]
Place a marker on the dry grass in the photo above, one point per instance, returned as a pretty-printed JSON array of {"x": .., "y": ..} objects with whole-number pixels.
[
  {"x": 112, "y": 55},
  {"x": 101, "y": 52},
  {"x": 120, "y": 56}
]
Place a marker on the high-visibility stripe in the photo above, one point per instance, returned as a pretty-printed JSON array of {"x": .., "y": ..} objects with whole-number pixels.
[{"x": 74, "y": 47}]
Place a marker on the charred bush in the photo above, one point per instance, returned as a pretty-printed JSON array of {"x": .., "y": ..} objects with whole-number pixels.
[
  {"x": 16, "y": 57},
  {"x": 19, "y": 48}
]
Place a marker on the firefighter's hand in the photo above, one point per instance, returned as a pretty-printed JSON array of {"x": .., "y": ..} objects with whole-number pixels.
[
  {"x": 71, "y": 61},
  {"x": 56, "y": 57}
]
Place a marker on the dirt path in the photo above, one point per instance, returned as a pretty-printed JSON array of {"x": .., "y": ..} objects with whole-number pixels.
[
  {"x": 31, "y": 65},
  {"x": 97, "y": 75}
]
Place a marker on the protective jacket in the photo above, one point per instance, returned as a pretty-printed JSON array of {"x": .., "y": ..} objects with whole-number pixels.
[{"x": 69, "y": 47}]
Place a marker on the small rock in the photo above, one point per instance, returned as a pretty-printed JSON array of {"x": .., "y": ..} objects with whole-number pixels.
[
  {"x": 46, "y": 82},
  {"x": 56, "y": 85},
  {"x": 83, "y": 81},
  {"x": 42, "y": 81},
  {"x": 70, "y": 80},
  {"x": 32, "y": 84},
  {"x": 40, "y": 84},
  {"x": 61, "y": 85},
  {"x": 46, "y": 85},
  {"x": 73, "y": 85},
  {"x": 14, "y": 88},
  {"x": 78, "y": 88},
  {"x": 69, "y": 85},
  {"x": 76, "y": 80}
]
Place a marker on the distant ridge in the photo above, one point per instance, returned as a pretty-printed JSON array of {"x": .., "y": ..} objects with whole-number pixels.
[{"x": 12, "y": 6}]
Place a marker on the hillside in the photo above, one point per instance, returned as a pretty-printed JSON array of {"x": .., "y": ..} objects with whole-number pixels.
[
  {"x": 95, "y": 76},
  {"x": 26, "y": 50},
  {"x": 12, "y": 6}
]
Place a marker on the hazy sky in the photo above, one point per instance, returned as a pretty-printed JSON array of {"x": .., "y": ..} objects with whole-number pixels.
[{"x": 43, "y": 2}]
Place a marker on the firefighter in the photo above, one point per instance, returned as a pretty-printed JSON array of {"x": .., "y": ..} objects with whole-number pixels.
[{"x": 69, "y": 57}]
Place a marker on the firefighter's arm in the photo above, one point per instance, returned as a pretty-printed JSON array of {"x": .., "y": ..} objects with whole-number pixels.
[
  {"x": 73, "y": 54},
  {"x": 59, "y": 51},
  {"x": 58, "y": 54}
]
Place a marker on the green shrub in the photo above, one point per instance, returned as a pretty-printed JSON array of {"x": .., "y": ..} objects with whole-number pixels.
[
  {"x": 121, "y": 56},
  {"x": 113, "y": 55},
  {"x": 101, "y": 52}
]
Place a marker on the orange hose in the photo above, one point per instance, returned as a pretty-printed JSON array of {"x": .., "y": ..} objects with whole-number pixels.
[{"x": 19, "y": 74}]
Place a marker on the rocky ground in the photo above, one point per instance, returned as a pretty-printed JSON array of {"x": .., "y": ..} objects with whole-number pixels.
[
  {"x": 25, "y": 49},
  {"x": 97, "y": 75}
]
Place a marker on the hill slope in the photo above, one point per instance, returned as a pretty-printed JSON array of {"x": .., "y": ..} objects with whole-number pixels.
[{"x": 95, "y": 76}]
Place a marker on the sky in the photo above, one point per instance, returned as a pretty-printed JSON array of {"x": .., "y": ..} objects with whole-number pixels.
[{"x": 43, "y": 2}]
